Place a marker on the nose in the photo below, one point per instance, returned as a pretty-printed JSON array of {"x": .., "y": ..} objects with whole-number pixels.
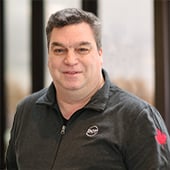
[{"x": 70, "y": 58}]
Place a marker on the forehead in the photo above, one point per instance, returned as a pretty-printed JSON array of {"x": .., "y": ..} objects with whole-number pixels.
[{"x": 74, "y": 33}]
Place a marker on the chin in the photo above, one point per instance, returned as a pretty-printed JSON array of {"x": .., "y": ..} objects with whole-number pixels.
[{"x": 73, "y": 87}]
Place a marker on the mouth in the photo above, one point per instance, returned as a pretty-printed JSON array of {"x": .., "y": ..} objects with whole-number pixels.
[{"x": 72, "y": 72}]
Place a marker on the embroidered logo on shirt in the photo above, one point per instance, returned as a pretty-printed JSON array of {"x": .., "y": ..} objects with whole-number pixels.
[
  {"x": 92, "y": 131},
  {"x": 160, "y": 137}
]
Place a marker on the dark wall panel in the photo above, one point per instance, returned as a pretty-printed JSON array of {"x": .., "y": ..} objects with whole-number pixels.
[
  {"x": 2, "y": 88},
  {"x": 162, "y": 58},
  {"x": 37, "y": 45}
]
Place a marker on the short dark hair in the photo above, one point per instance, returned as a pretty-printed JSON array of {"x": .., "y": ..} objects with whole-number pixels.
[{"x": 71, "y": 16}]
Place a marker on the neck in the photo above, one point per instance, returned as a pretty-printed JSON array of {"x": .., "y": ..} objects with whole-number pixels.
[{"x": 71, "y": 101}]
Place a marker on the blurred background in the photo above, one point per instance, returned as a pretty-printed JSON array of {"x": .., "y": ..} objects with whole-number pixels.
[{"x": 135, "y": 45}]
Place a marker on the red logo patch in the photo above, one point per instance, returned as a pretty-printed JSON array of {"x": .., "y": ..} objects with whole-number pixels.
[{"x": 160, "y": 137}]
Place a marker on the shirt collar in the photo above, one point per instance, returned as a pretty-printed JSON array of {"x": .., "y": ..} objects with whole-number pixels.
[
  {"x": 49, "y": 97},
  {"x": 100, "y": 98},
  {"x": 97, "y": 102}
]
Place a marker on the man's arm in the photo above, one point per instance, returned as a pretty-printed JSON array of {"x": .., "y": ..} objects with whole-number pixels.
[{"x": 148, "y": 144}]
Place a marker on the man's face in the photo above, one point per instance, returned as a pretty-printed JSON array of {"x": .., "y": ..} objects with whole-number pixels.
[{"x": 74, "y": 61}]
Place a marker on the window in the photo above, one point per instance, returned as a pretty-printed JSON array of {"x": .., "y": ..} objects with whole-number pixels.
[
  {"x": 128, "y": 44},
  {"x": 17, "y": 68}
]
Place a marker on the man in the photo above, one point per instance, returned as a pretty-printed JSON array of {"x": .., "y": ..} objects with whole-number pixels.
[{"x": 82, "y": 121}]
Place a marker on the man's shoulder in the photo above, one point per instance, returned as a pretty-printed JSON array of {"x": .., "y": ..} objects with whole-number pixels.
[
  {"x": 33, "y": 97},
  {"x": 127, "y": 99}
]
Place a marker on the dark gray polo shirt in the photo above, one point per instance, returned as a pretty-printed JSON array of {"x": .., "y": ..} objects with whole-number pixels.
[{"x": 114, "y": 131}]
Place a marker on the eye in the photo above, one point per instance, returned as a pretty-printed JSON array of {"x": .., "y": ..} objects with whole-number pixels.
[
  {"x": 83, "y": 50},
  {"x": 59, "y": 51}
]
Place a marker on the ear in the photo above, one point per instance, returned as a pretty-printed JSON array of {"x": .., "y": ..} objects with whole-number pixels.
[{"x": 100, "y": 52}]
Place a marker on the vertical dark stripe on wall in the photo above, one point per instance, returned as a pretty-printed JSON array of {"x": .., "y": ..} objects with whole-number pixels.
[
  {"x": 167, "y": 117},
  {"x": 37, "y": 44},
  {"x": 2, "y": 88},
  {"x": 162, "y": 58},
  {"x": 90, "y": 5}
]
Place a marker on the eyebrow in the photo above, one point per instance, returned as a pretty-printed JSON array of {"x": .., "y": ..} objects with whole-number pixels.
[
  {"x": 57, "y": 44},
  {"x": 62, "y": 45}
]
